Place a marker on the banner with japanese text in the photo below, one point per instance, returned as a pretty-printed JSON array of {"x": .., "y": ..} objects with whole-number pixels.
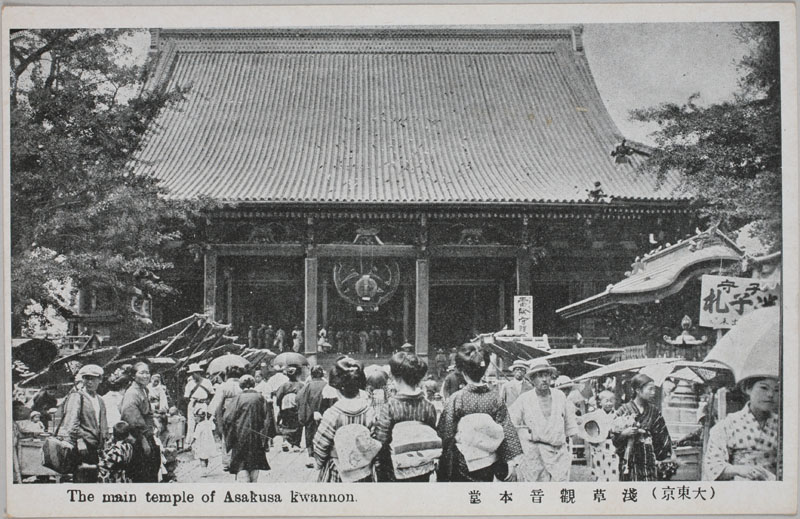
[
  {"x": 725, "y": 299},
  {"x": 523, "y": 315}
]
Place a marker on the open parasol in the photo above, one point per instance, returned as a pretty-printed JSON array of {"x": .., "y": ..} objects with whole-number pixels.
[
  {"x": 752, "y": 347},
  {"x": 290, "y": 358},
  {"x": 627, "y": 365},
  {"x": 223, "y": 362},
  {"x": 577, "y": 361}
]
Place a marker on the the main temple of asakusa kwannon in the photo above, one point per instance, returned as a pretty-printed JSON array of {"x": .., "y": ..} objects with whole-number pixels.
[{"x": 402, "y": 179}]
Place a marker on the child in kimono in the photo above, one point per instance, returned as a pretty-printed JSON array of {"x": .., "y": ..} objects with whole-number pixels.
[
  {"x": 202, "y": 442},
  {"x": 176, "y": 428},
  {"x": 114, "y": 461}
]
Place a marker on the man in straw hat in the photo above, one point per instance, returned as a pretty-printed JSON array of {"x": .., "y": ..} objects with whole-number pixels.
[
  {"x": 544, "y": 423},
  {"x": 518, "y": 385},
  {"x": 84, "y": 423},
  {"x": 199, "y": 390}
]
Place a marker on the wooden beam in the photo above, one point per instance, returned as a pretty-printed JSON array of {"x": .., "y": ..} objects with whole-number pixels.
[
  {"x": 473, "y": 251},
  {"x": 421, "y": 320},
  {"x": 310, "y": 333},
  {"x": 259, "y": 249},
  {"x": 210, "y": 284},
  {"x": 373, "y": 251}
]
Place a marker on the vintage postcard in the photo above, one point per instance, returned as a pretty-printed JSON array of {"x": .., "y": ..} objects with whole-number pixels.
[{"x": 411, "y": 260}]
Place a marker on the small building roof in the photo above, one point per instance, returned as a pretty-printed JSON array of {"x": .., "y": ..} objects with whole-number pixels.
[
  {"x": 663, "y": 272},
  {"x": 386, "y": 116}
]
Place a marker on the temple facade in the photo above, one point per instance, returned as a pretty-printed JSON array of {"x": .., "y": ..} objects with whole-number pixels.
[{"x": 403, "y": 182}]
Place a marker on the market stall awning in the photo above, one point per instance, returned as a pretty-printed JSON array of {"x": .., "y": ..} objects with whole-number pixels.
[
  {"x": 663, "y": 272},
  {"x": 195, "y": 338}
]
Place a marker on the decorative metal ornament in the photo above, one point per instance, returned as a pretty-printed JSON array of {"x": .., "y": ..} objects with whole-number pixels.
[
  {"x": 685, "y": 338},
  {"x": 366, "y": 285}
]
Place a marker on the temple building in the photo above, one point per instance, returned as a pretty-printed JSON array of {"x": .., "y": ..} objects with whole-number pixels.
[{"x": 403, "y": 179}]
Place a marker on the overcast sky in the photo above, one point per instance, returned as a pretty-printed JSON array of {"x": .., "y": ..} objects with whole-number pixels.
[{"x": 642, "y": 65}]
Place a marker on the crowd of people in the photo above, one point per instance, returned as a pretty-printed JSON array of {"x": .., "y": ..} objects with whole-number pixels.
[
  {"x": 337, "y": 338},
  {"x": 390, "y": 423}
]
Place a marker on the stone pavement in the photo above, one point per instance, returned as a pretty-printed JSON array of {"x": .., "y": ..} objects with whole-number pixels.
[{"x": 286, "y": 467}]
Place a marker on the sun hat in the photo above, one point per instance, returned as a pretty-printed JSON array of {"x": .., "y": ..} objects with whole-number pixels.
[
  {"x": 563, "y": 381},
  {"x": 595, "y": 427},
  {"x": 541, "y": 364},
  {"x": 90, "y": 370},
  {"x": 195, "y": 368},
  {"x": 519, "y": 364}
]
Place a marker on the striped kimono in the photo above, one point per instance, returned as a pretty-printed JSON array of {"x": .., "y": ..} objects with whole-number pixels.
[
  {"x": 400, "y": 408},
  {"x": 647, "y": 449},
  {"x": 344, "y": 412}
]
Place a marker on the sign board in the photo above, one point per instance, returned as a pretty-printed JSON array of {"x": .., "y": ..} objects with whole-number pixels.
[
  {"x": 725, "y": 299},
  {"x": 523, "y": 315}
]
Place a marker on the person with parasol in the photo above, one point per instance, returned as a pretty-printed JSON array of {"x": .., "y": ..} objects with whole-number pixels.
[{"x": 744, "y": 445}]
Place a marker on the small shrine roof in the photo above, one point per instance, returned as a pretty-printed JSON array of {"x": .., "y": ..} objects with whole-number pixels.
[{"x": 663, "y": 272}]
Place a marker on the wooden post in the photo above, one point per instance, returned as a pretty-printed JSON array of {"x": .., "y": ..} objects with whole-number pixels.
[
  {"x": 501, "y": 303},
  {"x": 229, "y": 294},
  {"x": 325, "y": 305},
  {"x": 523, "y": 273},
  {"x": 210, "y": 284},
  {"x": 406, "y": 312},
  {"x": 421, "y": 314},
  {"x": 310, "y": 332}
]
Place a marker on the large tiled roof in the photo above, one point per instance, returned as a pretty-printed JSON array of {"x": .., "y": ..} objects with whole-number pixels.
[{"x": 385, "y": 116}]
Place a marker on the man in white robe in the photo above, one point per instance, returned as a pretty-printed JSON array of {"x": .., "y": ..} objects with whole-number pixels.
[{"x": 545, "y": 421}]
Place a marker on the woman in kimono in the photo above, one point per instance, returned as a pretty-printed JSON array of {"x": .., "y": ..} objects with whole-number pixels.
[
  {"x": 348, "y": 379},
  {"x": 407, "y": 404},
  {"x": 744, "y": 445},
  {"x": 245, "y": 422},
  {"x": 644, "y": 441},
  {"x": 288, "y": 421},
  {"x": 138, "y": 413},
  {"x": 476, "y": 398},
  {"x": 310, "y": 408}
]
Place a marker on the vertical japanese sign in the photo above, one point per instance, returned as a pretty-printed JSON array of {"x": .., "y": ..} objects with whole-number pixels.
[
  {"x": 724, "y": 300},
  {"x": 523, "y": 315}
]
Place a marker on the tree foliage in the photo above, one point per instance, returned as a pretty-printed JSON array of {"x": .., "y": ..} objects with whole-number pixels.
[
  {"x": 79, "y": 110},
  {"x": 729, "y": 154}
]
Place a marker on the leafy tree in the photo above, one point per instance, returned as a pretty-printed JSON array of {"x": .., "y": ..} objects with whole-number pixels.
[
  {"x": 729, "y": 154},
  {"x": 79, "y": 218}
]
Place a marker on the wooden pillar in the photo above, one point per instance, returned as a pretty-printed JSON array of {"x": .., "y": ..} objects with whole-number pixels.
[
  {"x": 523, "y": 273},
  {"x": 406, "y": 312},
  {"x": 501, "y": 303},
  {"x": 325, "y": 305},
  {"x": 229, "y": 294},
  {"x": 421, "y": 314},
  {"x": 210, "y": 284},
  {"x": 310, "y": 332}
]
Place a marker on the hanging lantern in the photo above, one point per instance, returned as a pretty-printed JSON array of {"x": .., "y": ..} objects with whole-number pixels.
[{"x": 366, "y": 287}]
